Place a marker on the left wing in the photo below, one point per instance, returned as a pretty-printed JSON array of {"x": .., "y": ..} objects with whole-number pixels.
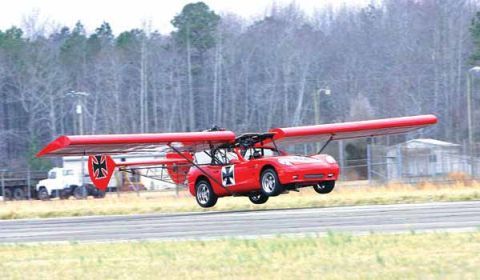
[{"x": 79, "y": 145}]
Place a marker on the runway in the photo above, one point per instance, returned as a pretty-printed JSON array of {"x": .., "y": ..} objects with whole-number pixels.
[{"x": 445, "y": 216}]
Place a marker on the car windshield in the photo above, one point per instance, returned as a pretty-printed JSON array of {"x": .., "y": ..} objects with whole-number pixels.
[
  {"x": 260, "y": 152},
  {"x": 221, "y": 156},
  {"x": 52, "y": 175}
]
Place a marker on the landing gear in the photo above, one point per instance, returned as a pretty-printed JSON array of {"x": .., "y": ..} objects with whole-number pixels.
[
  {"x": 258, "y": 198},
  {"x": 204, "y": 194},
  {"x": 324, "y": 187}
]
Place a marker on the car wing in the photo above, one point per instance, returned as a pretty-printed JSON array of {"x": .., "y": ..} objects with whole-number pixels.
[
  {"x": 78, "y": 145},
  {"x": 350, "y": 130}
]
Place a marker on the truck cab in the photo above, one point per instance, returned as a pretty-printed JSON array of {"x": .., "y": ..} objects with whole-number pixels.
[{"x": 64, "y": 182}]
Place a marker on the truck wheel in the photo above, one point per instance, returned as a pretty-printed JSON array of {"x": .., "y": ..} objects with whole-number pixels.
[
  {"x": 99, "y": 194},
  {"x": 65, "y": 193},
  {"x": 42, "y": 194},
  {"x": 204, "y": 194},
  {"x": 269, "y": 182},
  {"x": 80, "y": 192},
  {"x": 324, "y": 187},
  {"x": 7, "y": 195},
  {"x": 18, "y": 194},
  {"x": 258, "y": 198}
]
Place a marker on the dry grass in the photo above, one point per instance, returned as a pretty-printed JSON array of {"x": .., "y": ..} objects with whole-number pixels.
[
  {"x": 148, "y": 202},
  {"x": 334, "y": 256}
]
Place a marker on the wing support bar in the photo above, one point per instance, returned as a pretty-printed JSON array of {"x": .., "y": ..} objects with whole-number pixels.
[{"x": 326, "y": 144}]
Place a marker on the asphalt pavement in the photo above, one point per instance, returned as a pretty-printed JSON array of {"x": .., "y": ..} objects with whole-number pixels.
[{"x": 442, "y": 216}]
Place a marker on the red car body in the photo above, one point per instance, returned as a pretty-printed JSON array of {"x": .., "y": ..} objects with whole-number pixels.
[{"x": 293, "y": 172}]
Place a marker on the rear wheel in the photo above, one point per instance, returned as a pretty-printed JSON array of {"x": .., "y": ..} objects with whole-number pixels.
[
  {"x": 324, "y": 187},
  {"x": 99, "y": 194},
  {"x": 18, "y": 194},
  {"x": 80, "y": 192},
  {"x": 270, "y": 184},
  {"x": 258, "y": 198},
  {"x": 65, "y": 193},
  {"x": 204, "y": 194},
  {"x": 7, "y": 195}
]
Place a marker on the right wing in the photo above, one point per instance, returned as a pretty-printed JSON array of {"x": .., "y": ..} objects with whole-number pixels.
[{"x": 351, "y": 130}]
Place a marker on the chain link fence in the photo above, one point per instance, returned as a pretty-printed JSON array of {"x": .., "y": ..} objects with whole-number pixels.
[{"x": 413, "y": 161}]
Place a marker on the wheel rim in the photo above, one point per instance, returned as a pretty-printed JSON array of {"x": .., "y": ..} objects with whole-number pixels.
[
  {"x": 256, "y": 197},
  {"x": 203, "y": 193},
  {"x": 268, "y": 182},
  {"x": 321, "y": 187}
]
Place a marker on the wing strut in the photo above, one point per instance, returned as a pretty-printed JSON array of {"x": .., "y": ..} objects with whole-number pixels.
[
  {"x": 199, "y": 167},
  {"x": 326, "y": 144}
]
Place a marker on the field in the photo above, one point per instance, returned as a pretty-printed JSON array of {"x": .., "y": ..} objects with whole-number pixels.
[
  {"x": 166, "y": 202},
  {"x": 332, "y": 256}
]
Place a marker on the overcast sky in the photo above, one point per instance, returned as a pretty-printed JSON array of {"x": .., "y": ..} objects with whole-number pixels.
[{"x": 127, "y": 14}]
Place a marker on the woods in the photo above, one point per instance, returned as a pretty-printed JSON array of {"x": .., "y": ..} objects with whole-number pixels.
[{"x": 393, "y": 59}]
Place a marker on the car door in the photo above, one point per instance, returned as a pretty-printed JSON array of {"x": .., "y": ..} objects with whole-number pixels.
[{"x": 237, "y": 176}]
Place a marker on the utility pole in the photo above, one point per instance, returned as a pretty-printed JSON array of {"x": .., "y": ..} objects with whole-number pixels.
[
  {"x": 316, "y": 106},
  {"x": 79, "y": 108},
  {"x": 474, "y": 71}
]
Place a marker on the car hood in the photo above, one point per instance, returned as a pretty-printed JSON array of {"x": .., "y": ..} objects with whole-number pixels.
[{"x": 301, "y": 160}]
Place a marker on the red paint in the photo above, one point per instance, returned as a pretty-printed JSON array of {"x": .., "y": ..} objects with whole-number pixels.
[
  {"x": 348, "y": 130},
  {"x": 107, "y": 165},
  {"x": 126, "y": 143}
]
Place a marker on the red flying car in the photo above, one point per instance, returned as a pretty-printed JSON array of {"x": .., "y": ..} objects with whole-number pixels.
[{"x": 217, "y": 163}]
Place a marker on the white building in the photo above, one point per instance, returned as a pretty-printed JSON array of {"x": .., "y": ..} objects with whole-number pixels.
[{"x": 426, "y": 158}]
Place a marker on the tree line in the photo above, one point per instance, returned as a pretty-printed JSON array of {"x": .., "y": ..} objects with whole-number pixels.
[{"x": 389, "y": 59}]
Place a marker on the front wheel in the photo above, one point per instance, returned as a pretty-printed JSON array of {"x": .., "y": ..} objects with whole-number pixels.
[
  {"x": 204, "y": 194},
  {"x": 270, "y": 184},
  {"x": 42, "y": 194},
  {"x": 258, "y": 198},
  {"x": 324, "y": 187}
]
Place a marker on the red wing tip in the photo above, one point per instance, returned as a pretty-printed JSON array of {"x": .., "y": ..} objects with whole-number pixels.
[{"x": 60, "y": 142}]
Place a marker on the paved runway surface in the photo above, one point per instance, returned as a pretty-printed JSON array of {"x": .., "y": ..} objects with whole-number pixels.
[{"x": 357, "y": 219}]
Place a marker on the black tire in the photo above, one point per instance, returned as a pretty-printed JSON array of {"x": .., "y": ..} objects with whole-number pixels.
[
  {"x": 269, "y": 183},
  {"x": 7, "y": 195},
  {"x": 324, "y": 187},
  {"x": 258, "y": 198},
  {"x": 42, "y": 194},
  {"x": 99, "y": 194},
  {"x": 204, "y": 194},
  {"x": 65, "y": 193},
  {"x": 80, "y": 192},
  {"x": 18, "y": 194}
]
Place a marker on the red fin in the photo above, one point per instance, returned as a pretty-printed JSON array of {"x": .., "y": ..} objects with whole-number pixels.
[
  {"x": 178, "y": 172},
  {"x": 100, "y": 169}
]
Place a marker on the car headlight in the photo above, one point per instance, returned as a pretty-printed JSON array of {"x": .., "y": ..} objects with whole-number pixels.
[
  {"x": 330, "y": 159},
  {"x": 285, "y": 162}
]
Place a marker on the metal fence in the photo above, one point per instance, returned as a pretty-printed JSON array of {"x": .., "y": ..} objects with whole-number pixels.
[{"x": 413, "y": 163}]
